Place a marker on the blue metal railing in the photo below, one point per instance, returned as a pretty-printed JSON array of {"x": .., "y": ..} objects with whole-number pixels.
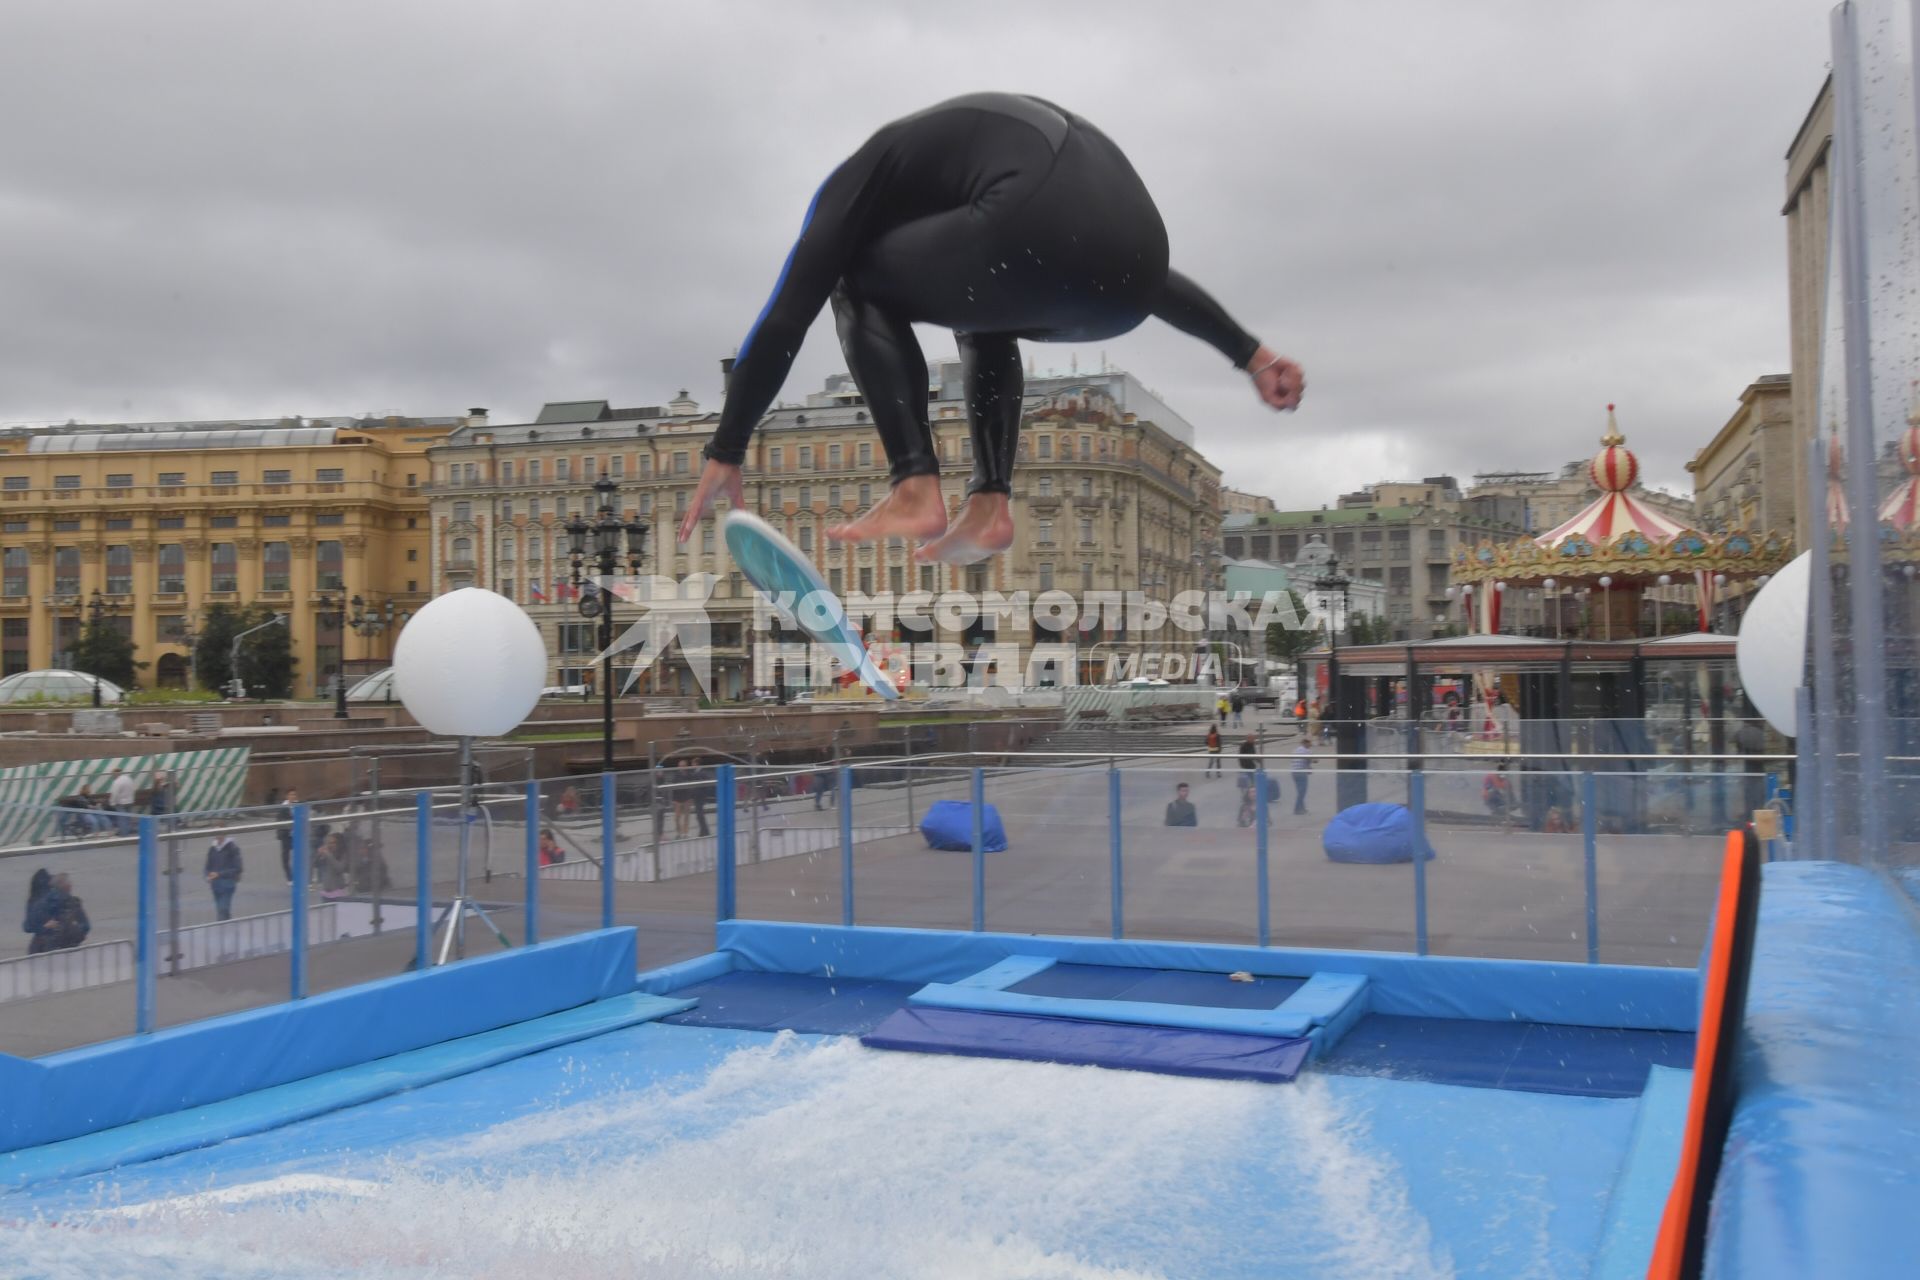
[{"x": 1055, "y": 810}]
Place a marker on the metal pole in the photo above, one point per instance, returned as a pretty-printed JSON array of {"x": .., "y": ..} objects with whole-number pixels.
[
  {"x": 1260, "y": 850},
  {"x": 1114, "y": 852},
  {"x": 423, "y": 878},
  {"x": 979, "y": 807},
  {"x": 459, "y": 922},
  {"x": 297, "y": 976},
  {"x": 725, "y": 844},
  {"x": 609, "y": 811},
  {"x": 376, "y": 872},
  {"x": 533, "y": 862},
  {"x": 143, "y": 946},
  {"x": 1417, "y": 807},
  {"x": 173, "y": 905},
  {"x": 846, "y": 844},
  {"x": 1589, "y": 837},
  {"x": 606, "y": 676}
]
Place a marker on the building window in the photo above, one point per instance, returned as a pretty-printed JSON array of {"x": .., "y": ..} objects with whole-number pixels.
[
  {"x": 679, "y": 502},
  {"x": 617, "y": 466},
  {"x": 1044, "y": 446},
  {"x": 1106, "y": 449},
  {"x": 776, "y": 459},
  {"x": 929, "y": 578},
  {"x": 833, "y": 497},
  {"x": 276, "y": 566},
  {"x": 462, "y": 551},
  {"x": 329, "y": 565},
  {"x": 14, "y": 482},
  {"x": 1086, "y": 448},
  {"x": 866, "y": 453},
  {"x": 413, "y": 586},
  {"x": 833, "y": 457},
  {"x": 966, "y": 449},
  {"x": 169, "y": 522},
  {"x": 1086, "y": 529},
  {"x": 462, "y": 512},
  {"x": 806, "y": 456},
  {"x": 866, "y": 581},
  {"x": 226, "y": 477},
  {"x": 1046, "y": 575},
  {"x": 680, "y": 463},
  {"x": 170, "y": 628},
  {"x": 589, "y": 469},
  {"x": 330, "y": 475},
  {"x": 66, "y": 571},
  {"x": 66, "y": 482},
  {"x": 173, "y": 567},
  {"x": 834, "y": 580},
  {"x": 327, "y": 518},
  {"x": 223, "y": 522},
  {"x": 706, "y": 539},
  {"x": 506, "y": 587},
  {"x": 173, "y": 479},
  {"x": 1399, "y": 579},
  {"x": 1437, "y": 542},
  {"x": 120, "y": 480},
  {"x": 13, "y": 571},
  {"x": 276, "y": 477},
  {"x": 276, "y": 520},
  {"x": 806, "y": 539},
  {"x": 14, "y": 526},
  {"x": 225, "y": 557},
  {"x": 1086, "y": 575},
  {"x": 1044, "y": 486},
  {"x": 866, "y": 496},
  {"x": 506, "y": 471},
  {"x": 533, "y": 471},
  {"x": 646, "y": 465},
  {"x": 896, "y": 579},
  {"x": 773, "y": 498},
  {"x": 119, "y": 569},
  {"x": 1043, "y": 532},
  {"x": 562, "y": 470},
  {"x": 68, "y": 524},
  {"x": 577, "y": 637},
  {"x": 119, "y": 522},
  {"x": 1086, "y": 486},
  {"x": 13, "y": 650},
  {"x": 646, "y": 504}
]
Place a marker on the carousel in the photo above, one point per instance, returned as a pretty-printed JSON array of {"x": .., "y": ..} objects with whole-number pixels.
[{"x": 1597, "y": 569}]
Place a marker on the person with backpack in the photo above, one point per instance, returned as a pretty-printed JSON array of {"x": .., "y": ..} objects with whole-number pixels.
[
  {"x": 1213, "y": 751},
  {"x": 57, "y": 919},
  {"x": 223, "y": 874}
]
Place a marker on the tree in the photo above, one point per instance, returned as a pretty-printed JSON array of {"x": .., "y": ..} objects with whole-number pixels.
[
  {"x": 266, "y": 657},
  {"x": 1289, "y": 642},
  {"x": 105, "y": 651},
  {"x": 1365, "y": 628}
]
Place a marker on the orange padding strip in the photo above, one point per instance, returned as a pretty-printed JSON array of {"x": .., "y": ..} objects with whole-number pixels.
[{"x": 1671, "y": 1244}]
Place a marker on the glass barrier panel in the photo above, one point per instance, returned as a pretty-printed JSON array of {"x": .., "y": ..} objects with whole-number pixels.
[
  {"x": 362, "y": 896},
  {"x": 69, "y": 981},
  {"x": 1314, "y": 900},
  {"x": 1055, "y": 875},
  {"x": 569, "y": 839},
  {"x": 218, "y": 949},
  {"x": 1508, "y": 875},
  {"x": 666, "y": 847},
  {"x": 787, "y": 863},
  {"x": 1659, "y": 837},
  {"x": 1189, "y": 842},
  {"x": 901, "y": 878}
]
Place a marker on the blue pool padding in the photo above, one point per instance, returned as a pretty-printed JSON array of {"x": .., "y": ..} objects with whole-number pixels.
[
  {"x": 1595, "y": 1062},
  {"x": 1251, "y": 1022},
  {"x": 949, "y": 825},
  {"x": 1376, "y": 832},
  {"x": 790, "y": 1002},
  {"x": 1820, "y": 1174},
  {"x": 1165, "y": 1050},
  {"x": 1646, "y": 1174},
  {"x": 670, "y": 978},
  {"x": 284, "y": 1104},
  {"x": 1010, "y": 974},
  {"x": 1432, "y": 986},
  {"x": 117, "y": 1083},
  {"x": 1103, "y": 982}
]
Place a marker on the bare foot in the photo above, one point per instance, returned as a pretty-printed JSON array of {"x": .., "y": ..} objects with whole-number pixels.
[
  {"x": 983, "y": 529},
  {"x": 912, "y": 508}
]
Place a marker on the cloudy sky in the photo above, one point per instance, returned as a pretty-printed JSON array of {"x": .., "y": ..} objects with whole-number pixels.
[{"x": 1474, "y": 224}]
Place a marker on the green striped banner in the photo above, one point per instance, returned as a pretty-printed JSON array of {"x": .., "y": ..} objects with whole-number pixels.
[{"x": 202, "y": 781}]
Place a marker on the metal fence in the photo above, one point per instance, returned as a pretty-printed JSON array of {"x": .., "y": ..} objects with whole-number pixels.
[{"x": 1552, "y": 861}]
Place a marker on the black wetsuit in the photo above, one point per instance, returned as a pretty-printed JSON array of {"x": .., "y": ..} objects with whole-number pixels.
[{"x": 997, "y": 216}]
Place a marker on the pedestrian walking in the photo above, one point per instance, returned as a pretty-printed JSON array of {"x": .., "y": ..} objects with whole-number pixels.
[
  {"x": 285, "y": 833},
  {"x": 120, "y": 794},
  {"x": 1213, "y": 751}
]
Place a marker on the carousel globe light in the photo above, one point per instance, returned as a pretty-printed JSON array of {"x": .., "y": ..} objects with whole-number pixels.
[
  {"x": 1500, "y": 587},
  {"x": 1549, "y": 584},
  {"x": 1771, "y": 651},
  {"x": 1665, "y": 579},
  {"x": 470, "y": 664},
  {"x": 1719, "y": 579},
  {"x": 1606, "y": 580}
]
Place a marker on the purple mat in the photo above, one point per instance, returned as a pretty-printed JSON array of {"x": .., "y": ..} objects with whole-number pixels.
[{"x": 1215, "y": 1055}]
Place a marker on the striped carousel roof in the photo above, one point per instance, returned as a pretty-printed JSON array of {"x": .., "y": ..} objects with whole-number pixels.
[
  {"x": 1902, "y": 507},
  {"x": 1615, "y": 511}
]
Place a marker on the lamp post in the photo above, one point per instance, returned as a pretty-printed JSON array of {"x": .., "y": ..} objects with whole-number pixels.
[
  {"x": 335, "y": 607},
  {"x": 1660, "y": 605},
  {"x": 606, "y": 531},
  {"x": 96, "y": 614},
  {"x": 1554, "y": 604},
  {"x": 1606, "y": 604}
]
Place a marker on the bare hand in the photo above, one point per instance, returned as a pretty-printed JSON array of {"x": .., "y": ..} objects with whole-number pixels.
[
  {"x": 716, "y": 478},
  {"x": 1279, "y": 381}
]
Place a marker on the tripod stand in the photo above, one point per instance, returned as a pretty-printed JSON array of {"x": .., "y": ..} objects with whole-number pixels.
[{"x": 454, "y": 941}]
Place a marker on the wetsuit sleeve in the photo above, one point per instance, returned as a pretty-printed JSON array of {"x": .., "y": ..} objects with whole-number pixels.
[
  {"x": 835, "y": 229},
  {"x": 1188, "y": 308}
]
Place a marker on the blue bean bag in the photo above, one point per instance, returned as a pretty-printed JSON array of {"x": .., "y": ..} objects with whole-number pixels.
[
  {"x": 1373, "y": 833},
  {"x": 949, "y": 825}
]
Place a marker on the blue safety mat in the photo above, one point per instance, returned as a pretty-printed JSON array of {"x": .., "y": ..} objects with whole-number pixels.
[
  {"x": 750, "y": 1001},
  {"x": 1217, "y": 1055},
  {"x": 1592, "y": 1062},
  {"x": 1164, "y": 986}
]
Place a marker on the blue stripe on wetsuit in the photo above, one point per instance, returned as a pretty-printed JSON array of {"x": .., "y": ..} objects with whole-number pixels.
[{"x": 785, "y": 267}]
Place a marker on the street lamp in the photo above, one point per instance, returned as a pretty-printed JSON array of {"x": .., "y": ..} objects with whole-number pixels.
[
  {"x": 605, "y": 531},
  {"x": 1606, "y": 604},
  {"x": 1550, "y": 584},
  {"x": 335, "y": 607},
  {"x": 1660, "y": 605},
  {"x": 96, "y": 614}
]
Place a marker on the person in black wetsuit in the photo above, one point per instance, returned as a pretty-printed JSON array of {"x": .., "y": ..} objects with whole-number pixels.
[{"x": 998, "y": 216}]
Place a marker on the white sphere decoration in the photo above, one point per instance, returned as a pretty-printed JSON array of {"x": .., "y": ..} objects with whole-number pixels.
[
  {"x": 470, "y": 664},
  {"x": 1549, "y": 584},
  {"x": 1665, "y": 579},
  {"x": 1772, "y": 647},
  {"x": 1606, "y": 580},
  {"x": 1719, "y": 579},
  {"x": 1501, "y": 587}
]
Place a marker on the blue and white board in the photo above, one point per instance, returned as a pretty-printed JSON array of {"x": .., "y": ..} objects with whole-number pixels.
[{"x": 778, "y": 568}]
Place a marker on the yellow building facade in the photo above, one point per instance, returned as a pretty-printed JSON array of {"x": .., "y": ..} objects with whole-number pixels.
[{"x": 164, "y": 519}]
